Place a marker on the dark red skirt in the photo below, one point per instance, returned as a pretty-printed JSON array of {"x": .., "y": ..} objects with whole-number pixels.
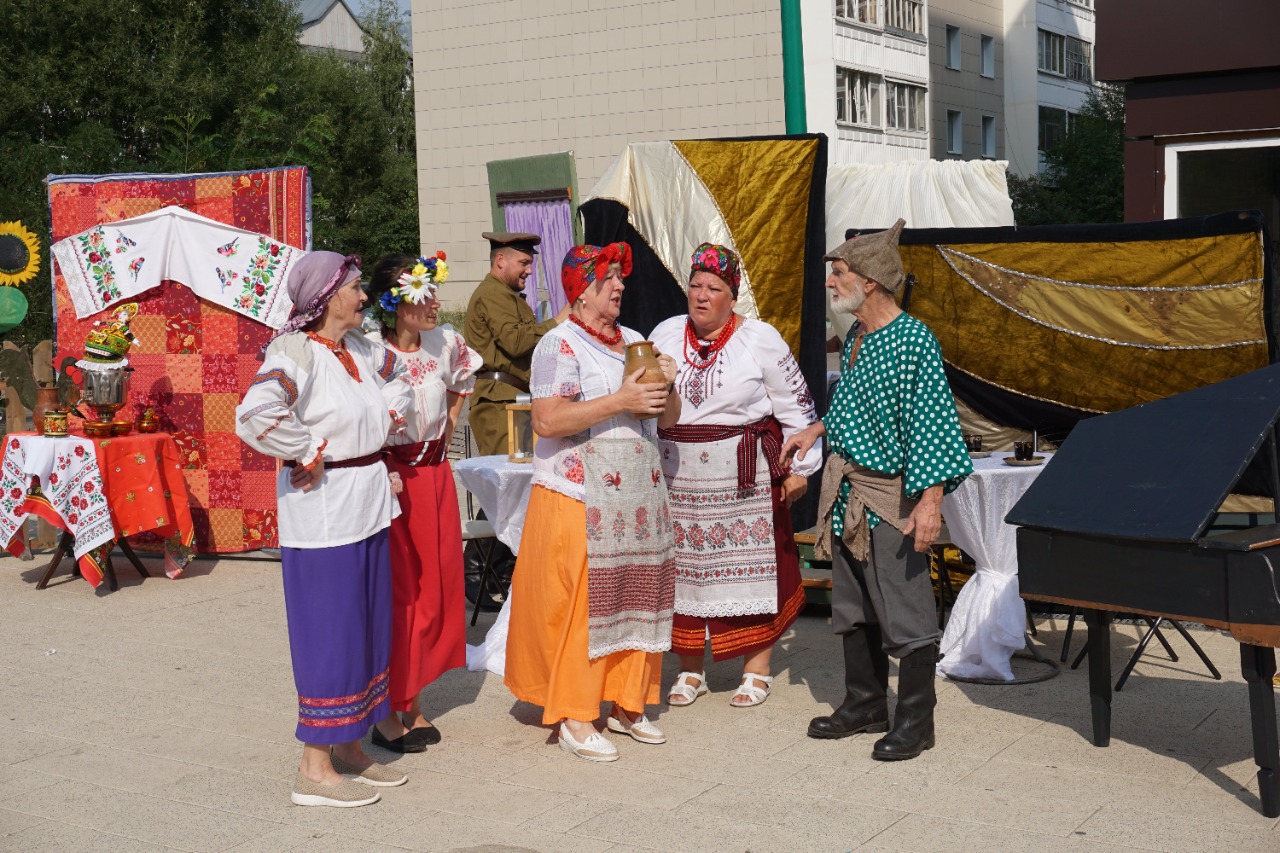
[{"x": 428, "y": 624}]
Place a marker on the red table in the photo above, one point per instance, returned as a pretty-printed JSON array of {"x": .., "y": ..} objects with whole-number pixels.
[{"x": 98, "y": 491}]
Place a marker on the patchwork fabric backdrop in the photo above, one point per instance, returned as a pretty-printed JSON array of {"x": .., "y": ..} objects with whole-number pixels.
[{"x": 193, "y": 359}]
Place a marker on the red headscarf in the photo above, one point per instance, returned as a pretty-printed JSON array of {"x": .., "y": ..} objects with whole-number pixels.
[{"x": 585, "y": 265}]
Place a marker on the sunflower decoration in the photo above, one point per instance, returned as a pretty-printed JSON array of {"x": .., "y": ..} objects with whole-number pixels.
[{"x": 19, "y": 263}]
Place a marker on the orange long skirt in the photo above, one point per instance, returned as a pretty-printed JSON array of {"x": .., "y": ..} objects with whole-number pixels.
[{"x": 547, "y": 660}]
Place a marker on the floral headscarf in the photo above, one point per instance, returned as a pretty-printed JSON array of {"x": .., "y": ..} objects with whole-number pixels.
[
  {"x": 719, "y": 261},
  {"x": 585, "y": 265}
]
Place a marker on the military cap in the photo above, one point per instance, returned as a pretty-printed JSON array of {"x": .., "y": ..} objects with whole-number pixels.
[{"x": 513, "y": 240}]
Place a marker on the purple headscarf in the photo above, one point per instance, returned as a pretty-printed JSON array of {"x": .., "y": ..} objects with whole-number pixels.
[{"x": 312, "y": 283}]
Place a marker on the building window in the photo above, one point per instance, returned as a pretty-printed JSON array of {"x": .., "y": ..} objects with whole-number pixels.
[
  {"x": 1079, "y": 60},
  {"x": 857, "y": 97},
  {"x": 862, "y": 11},
  {"x": 905, "y": 15},
  {"x": 955, "y": 132},
  {"x": 953, "y": 47},
  {"x": 989, "y": 136},
  {"x": 988, "y": 56},
  {"x": 904, "y": 106},
  {"x": 1054, "y": 125},
  {"x": 1065, "y": 56}
]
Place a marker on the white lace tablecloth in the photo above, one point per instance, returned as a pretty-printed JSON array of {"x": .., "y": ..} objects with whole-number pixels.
[
  {"x": 988, "y": 622},
  {"x": 502, "y": 487}
]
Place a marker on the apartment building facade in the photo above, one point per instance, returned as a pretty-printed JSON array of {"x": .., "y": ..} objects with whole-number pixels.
[{"x": 574, "y": 81}]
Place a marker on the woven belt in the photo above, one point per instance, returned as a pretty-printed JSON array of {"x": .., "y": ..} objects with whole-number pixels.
[
  {"x": 505, "y": 378},
  {"x": 358, "y": 462},
  {"x": 766, "y": 431},
  {"x": 419, "y": 454}
]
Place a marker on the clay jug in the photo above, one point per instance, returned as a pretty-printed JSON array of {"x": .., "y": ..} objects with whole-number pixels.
[
  {"x": 46, "y": 401},
  {"x": 642, "y": 354}
]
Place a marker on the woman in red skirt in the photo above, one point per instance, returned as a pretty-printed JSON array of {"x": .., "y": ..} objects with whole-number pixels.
[{"x": 428, "y": 628}]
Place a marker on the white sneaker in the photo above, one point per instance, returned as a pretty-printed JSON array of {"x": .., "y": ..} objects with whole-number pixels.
[
  {"x": 641, "y": 728},
  {"x": 595, "y": 748}
]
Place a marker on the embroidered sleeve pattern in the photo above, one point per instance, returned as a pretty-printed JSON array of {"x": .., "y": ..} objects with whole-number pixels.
[
  {"x": 265, "y": 419},
  {"x": 556, "y": 372}
]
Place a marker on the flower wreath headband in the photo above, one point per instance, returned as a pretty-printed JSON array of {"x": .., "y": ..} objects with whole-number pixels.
[{"x": 417, "y": 284}]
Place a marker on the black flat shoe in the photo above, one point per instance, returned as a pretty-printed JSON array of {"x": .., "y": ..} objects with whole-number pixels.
[
  {"x": 410, "y": 741},
  {"x": 429, "y": 734}
]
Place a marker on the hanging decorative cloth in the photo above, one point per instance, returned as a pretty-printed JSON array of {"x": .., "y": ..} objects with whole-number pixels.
[
  {"x": 631, "y": 567},
  {"x": 238, "y": 269}
]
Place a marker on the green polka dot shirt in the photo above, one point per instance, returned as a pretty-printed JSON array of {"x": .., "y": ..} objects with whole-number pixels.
[{"x": 894, "y": 413}]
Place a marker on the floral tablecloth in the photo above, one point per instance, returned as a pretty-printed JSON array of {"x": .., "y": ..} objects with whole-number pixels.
[{"x": 98, "y": 490}]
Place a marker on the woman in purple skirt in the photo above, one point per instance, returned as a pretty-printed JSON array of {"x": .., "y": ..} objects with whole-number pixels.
[{"x": 324, "y": 402}]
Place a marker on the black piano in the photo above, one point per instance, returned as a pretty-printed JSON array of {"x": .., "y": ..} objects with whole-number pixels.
[{"x": 1121, "y": 521}]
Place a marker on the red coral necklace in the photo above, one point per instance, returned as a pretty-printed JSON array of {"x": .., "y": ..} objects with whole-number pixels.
[
  {"x": 695, "y": 349},
  {"x": 602, "y": 338}
]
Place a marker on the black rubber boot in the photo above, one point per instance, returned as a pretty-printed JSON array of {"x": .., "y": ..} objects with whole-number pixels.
[
  {"x": 913, "y": 718},
  {"x": 866, "y": 685}
]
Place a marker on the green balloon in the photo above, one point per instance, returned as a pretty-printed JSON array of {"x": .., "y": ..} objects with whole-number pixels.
[{"x": 13, "y": 308}]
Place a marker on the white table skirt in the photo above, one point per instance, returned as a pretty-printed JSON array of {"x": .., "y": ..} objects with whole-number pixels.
[
  {"x": 988, "y": 622},
  {"x": 502, "y": 487}
]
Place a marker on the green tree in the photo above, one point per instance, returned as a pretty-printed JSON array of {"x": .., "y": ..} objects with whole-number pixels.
[
  {"x": 104, "y": 86},
  {"x": 1083, "y": 180}
]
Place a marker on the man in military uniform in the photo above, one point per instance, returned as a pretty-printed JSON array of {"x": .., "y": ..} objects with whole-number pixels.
[{"x": 502, "y": 328}]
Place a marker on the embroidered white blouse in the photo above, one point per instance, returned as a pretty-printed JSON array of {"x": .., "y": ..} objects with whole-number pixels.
[
  {"x": 442, "y": 364},
  {"x": 303, "y": 403},
  {"x": 753, "y": 376},
  {"x": 568, "y": 363}
]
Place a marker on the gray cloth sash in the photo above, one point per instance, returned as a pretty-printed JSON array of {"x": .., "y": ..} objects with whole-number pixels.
[{"x": 881, "y": 493}]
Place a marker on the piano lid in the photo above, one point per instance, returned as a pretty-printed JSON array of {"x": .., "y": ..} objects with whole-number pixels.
[{"x": 1157, "y": 471}]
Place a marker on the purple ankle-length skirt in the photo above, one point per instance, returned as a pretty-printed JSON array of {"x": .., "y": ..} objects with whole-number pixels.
[{"x": 338, "y": 602}]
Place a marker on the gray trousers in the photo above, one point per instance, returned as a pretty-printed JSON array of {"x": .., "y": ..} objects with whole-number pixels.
[{"x": 891, "y": 588}]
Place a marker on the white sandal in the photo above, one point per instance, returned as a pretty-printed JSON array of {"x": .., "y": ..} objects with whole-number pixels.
[
  {"x": 755, "y": 695},
  {"x": 686, "y": 690}
]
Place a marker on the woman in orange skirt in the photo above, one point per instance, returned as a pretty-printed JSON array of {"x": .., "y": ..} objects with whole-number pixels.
[{"x": 594, "y": 586}]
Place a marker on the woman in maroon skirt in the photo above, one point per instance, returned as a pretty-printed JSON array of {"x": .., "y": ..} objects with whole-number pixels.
[
  {"x": 737, "y": 573},
  {"x": 428, "y": 634}
]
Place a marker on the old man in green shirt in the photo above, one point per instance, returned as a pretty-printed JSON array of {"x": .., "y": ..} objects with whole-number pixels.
[{"x": 896, "y": 449}]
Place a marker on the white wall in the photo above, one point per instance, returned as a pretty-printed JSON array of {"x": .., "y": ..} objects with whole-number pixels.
[{"x": 514, "y": 78}]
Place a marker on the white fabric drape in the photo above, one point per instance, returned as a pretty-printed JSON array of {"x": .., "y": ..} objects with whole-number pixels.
[
  {"x": 988, "y": 620},
  {"x": 926, "y": 193},
  {"x": 237, "y": 269}
]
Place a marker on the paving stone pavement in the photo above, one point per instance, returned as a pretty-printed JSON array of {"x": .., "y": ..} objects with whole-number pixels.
[{"x": 158, "y": 717}]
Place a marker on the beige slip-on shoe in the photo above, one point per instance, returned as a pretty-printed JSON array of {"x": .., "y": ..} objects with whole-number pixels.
[
  {"x": 377, "y": 775},
  {"x": 345, "y": 796}
]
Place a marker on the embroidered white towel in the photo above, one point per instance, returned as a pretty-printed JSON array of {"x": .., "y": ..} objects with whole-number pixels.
[{"x": 238, "y": 269}]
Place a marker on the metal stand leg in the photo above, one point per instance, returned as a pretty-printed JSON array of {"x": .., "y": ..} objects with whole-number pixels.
[
  {"x": 1154, "y": 625},
  {"x": 1152, "y": 630},
  {"x": 1213, "y": 670},
  {"x": 1099, "y": 647},
  {"x": 66, "y": 545},
  {"x": 1258, "y": 665},
  {"x": 485, "y": 574},
  {"x": 1066, "y": 641}
]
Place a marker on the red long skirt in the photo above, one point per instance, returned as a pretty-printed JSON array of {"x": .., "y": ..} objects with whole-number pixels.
[
  {"x": 428, "y": 625},
  {"x": 736, "y": 636}
]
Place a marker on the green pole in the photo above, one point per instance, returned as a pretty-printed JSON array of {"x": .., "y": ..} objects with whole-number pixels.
[{"x": 793, "y": 68}]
